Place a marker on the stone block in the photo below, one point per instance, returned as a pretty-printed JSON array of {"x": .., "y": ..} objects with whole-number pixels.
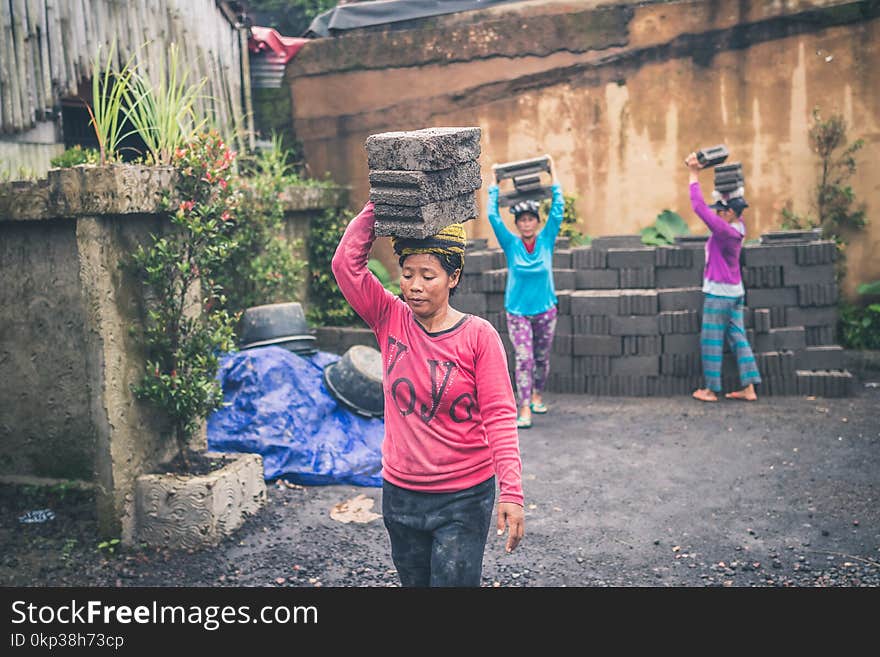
[
  {"x": 681, "y": 344},
  {"x": 495, "y": 302},
  {"x": 617, "y": 242},
  {"x": 781, "y": 339},
  {"x": 681, "y": 364},
  {"x": 816, "y": 253},
  {"x": 634, "y": 325},
  {"x": 817, "y": 294},
  {"x": 428, "y": 149},
  {"x": 420, "y": 221},
  {"x": 638, "y": 302},
  {"x": 563, "y": 300},
  {"x": 586, "y": 257},
  {"x": 493, "y": 280},
  {"x": 767, "y": 298},
  {"x": 825, "y": 357},
  {"x": 826, "y": 316},
  {"x": 424, "y": 187},
  {"x": 642, "y": 345},
  {"x": 769, "y": 254},
  {"x": 820, "y": 335},
  {"x": 635, "y": 366},
  {"x": 686, "y": 298},
  {"x": 674, "y": 256},
  {"x": 563, "y": 279},
  {"x": 677, "y": 278},
  {"x": 562, "y": 259},
  {"x": 591, "y": 324},
  {"x": 470, "y": 302},
  {"x": 596, "y": 345},
  {"x": 679, "y": 321},
  {"x": 759, "y": 277},
  {"x": 596, "y": 279},
  {"x": 562, "y": 344},
  {"x": 595, "y": 302},
  {"x": 564, "y": 324},
  {"x": 640, "y": 258},
  {"x": 810, "y": 274},
  {"x": 637, "y": 278},
  {"x": 761, "y": 320},
  {"x": 584, "y": 366}
]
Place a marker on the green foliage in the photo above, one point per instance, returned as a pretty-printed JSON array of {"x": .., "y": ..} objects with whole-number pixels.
[
  {"x": 187, "y": 325},
  {"x": 860, "y": 326},
  {"x": 162, "y": 111},
  {"x": 290, "y": 17},
  {"x": 76, "y": 155},
  {"x": 327, "y": 306},
  {"x": 871, "y": 289},
  {"x": 109, "y": 90},
  {"x": 260, "y": 267},
  {"x": 379, "y": 271},
  {"x": 570, "y": 220},
  {"x": 665, "y": 229},
  {"x": 109, "y": 546}
]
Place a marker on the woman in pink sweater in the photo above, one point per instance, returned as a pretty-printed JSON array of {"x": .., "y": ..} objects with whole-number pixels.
[{"x": 450, "y": 414}]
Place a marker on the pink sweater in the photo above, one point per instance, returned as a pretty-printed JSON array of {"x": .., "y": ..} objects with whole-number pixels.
[
  {"x": 450, "y": 414},
  {"x": 724, "y": 245}
]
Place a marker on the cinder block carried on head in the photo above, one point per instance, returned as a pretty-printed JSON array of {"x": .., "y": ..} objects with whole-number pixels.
[
  {"x": 420, "y": 221},
  {"x": 429, "y": 149},
  {"x": 423, "y": 187}
]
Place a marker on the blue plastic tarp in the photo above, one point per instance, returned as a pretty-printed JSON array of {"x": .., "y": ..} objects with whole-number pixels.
[{"x": 275, "y": 404}]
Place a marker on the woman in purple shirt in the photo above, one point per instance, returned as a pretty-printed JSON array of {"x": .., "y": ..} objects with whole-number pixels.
[{"x": 724, "y": 295}]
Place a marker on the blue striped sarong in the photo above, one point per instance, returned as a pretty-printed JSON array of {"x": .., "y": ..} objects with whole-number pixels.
[{"x": 723, "y": 317}]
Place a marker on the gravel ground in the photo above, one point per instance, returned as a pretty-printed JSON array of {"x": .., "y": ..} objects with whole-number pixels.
[{"x": 619, "y": 492}]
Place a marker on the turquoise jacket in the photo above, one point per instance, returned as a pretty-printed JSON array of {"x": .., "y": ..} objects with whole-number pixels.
[{"x": 530, "y": 289}]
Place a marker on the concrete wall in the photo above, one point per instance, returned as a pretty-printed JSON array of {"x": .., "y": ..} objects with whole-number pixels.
[{"x": 618, "y": 94}]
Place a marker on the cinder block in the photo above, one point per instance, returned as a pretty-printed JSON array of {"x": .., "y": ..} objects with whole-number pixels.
[
  {"x": 563, "y": 279},
  {"x": 762, "y": 255},
  {"x": 824, "y": 384},
  {"x": 477, "y": 244},
  {"x": 820, "y": 335},
  {"x": 562, "y": 259},
  {"x": 681, "y": 364},
  {"x": 429, "y": 149},
  {"x": 420, "y": 221},
  {"x": 562, "y": 243},
  {"x": 471, "y": 281},
  {"x": 562, "y": 344},
  {"x": 681, "y": 344},
  {"x": 688, "y": 298},
  {"x": 423, "y": 187},
  {"x": 676, "y": 278},
  {"x": 584, "y": 366},
  {"x": 816, "y": 253},
  {"x": 756, "y": 277},
  {"x": 469, "y": 302},
  {"x": 494, "y": 302},
  {"x": 498, "y": 320},
  {"x": 640, "y": 258},
  {"x": 638, "y": 302},
  {"x": 478, "y": 261},
  {"x": 810, "y": 274},
  {"x": 640, "y": 278},
  {"x": 597, "y": 385},
  {"x": 591, "y": 324},
  {"x": 817, "y": 294},
  {"x": 499, "y": 260},
  {"x": 563, "y": 300},
  {"x": 564, "y": 324},
  {"x": 596, "y": 279},
  {"x": 634, "y": 325},
  {"x": 617, "y": 242},
  {"x": 493, "y": 280},
  {"x": 761, "y": 320},
  {"x": 826, "y": 316},
  {"x": 767, "y": 298},
  {"x": 673, "y": 256},
  {"x": 679, "y": 321},
  {"x": 826, "y": 357},
  {"x": 585, "y": 257},
  {"x": 781, "y": 339},
  {"x": 595, "y": 302},
  {"x": 560, "y": 364},
  {"x": 596, "y": 345},
  {"x": 777, "y": 317},
  {"x": 642, "y": 345}
]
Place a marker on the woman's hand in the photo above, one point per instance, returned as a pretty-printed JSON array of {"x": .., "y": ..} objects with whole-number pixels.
[
  {"x": 692, "y": 162},
  {"x": 512, "y": 515},
  {"x": 553, "y": 175}
]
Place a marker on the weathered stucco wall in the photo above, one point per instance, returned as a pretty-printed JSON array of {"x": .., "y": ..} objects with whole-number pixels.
[{"x": 618, "y": 95}]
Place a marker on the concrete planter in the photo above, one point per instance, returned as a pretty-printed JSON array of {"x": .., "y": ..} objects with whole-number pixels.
[{"x": 197, "y": 511}]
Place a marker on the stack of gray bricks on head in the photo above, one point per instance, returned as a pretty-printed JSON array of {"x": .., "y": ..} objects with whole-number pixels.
[
  {"x": 423, "y": 180},
  {"x": 630, "y": 316}
]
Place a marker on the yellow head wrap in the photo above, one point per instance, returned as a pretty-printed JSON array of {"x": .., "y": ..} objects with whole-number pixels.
[{"x": 451, "y": 241}]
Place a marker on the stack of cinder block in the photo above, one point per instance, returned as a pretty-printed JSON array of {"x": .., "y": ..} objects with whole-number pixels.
[
  {"x": 423, "y": 180},
  {"x": 630, "y": 316}
]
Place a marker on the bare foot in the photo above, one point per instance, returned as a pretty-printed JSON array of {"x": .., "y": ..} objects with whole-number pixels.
[
  {"x": 704, "y": 394},
  {"x": 746, "y": 394}
]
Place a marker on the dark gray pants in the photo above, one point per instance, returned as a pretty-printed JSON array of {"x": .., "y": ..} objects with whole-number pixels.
[{"x": 438, "y": 539}]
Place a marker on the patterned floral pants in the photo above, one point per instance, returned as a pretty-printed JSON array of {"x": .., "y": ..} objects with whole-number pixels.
[{"x": 532, "y": 338}]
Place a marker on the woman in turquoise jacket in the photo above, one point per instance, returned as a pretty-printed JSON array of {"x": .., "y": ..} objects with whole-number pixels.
[{"x": 530, "y": 299}]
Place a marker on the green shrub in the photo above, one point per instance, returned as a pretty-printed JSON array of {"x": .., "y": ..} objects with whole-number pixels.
[
  {"x": 569, "y": 221},
  {"x": 860, "y": 322},
  {"x": 76, "y": 155},
  {"x": 327, "y": 306},
  {"x": 665, "y": 229}
]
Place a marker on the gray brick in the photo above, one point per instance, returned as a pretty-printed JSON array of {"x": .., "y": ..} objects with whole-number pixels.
[
  {"x": 637, "y": 278},
  {"x": 562, "y": 344},
  {"x": 681, "y": 364},
  {"x": 634, "y": 325},
  {"x": 469, "y": 302},
  {"x": 759, "y": 277},
  {"x": 498, "y": 320},
  {"x": 560, "y": 364},
  {"x": 596, "y": 345},
  {"x": 493, "y": 280},
  {"x": 477, "y": 244},
  {"x": 642, "y": 345},
  {"x": 471, "y": 281},
  {"x": 596, "y": 279},
  {"x": 805, "y": 275},
  {"x": 563, "y": 279},
  {"x": 585, "y": 257},
  {"x": 478, "y": 261},
  {"x": 562, "y": 259},
  {"x": 566, "y": 383},
  {"x": 638, "y": 302},
  {"x": 762, "y": 255},
  {"x": 564, "y": 324},
  {"x": 820, "y": 335},
  {"x": 689, "y": 298},
  {"x": 562, "y": 243},
  {"x": 781, "y": 339},
  {"x": 777, "y": 317},
  {"x": 591, "y": 324},
  {"x": 681, "y": 344},
  {"x": 499, "y": 260},
  {"x": 635, "y": 366},
  {"x": 824, "y": 384},
  {"x": 676, "y": 278},
  {"x": 826, "y": 357},
  {"x": 811, "y": 316},
  {"x": 816, "y": 253},
  {"x": 673, "y": 256},
  {"x": 679, "y": 321},
  {"x": 761, "y": 320},
  {"x": 641, "y": 258},
  {"x": 767, "y": 298},
  {"x": 617, "y": 242},
  {"x": 595, "y": 302},
  {"x": 494, "y": 302},
  {"x": 817, "y": 294},
  {"x": 584, "y": 366},
  {"x": 424, "y": 220},
  {"x": 429, "y": 149},
  {"x": 563, "y": 298},
  {"x": 420, "y": 187}
]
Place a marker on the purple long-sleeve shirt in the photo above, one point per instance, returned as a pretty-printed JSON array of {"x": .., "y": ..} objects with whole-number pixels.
[{"x": 724, "y": 245}]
